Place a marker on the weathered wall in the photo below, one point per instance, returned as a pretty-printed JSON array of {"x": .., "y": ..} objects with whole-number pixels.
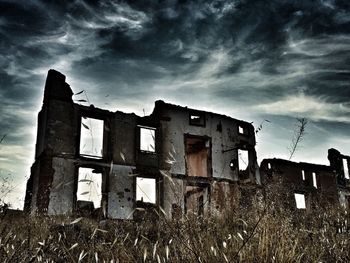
[
  {"x": 225, "y": 197},
  {"x": 61, "y": 129},
  {"x": 173, "y": 197},
  {"x": 223, "y": 133},
  {"x": 53, "y": 181},
  {"x": 62, "y": 194},
  {"x": 344, "y": 197},
  {"x": 120, "y": 192},
  {"x": 177, "y": 126},
  {"x": 55, "y": 173},
  {"x": 31, "y": 191},
  {"x": 41, "y": 133},
  {"x": 123, "y": 138},
  {"x": 336, "y": 162},
  {"x": 290, "y": 175}
]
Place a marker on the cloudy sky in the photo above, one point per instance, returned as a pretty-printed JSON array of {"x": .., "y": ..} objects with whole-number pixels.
[{"x": 253, "y": 60}]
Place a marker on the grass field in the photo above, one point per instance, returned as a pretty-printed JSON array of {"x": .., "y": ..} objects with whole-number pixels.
[{"x": 253, "y": 234}]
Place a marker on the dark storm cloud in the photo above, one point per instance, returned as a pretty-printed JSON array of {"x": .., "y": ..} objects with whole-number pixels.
[{"x": 249, "y": 59}]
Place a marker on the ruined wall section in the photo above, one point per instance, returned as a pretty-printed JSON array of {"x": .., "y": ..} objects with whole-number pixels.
[
  {"x": 30, "y": 202},
  {"x": 124, "y": 137},
  {"x": 225, "y": 196},
  {"x": 317, "y": 183},
  {"x": 220, "y": 188},
  {"x": 54, "y": 174},
  {"x": 55, "y": 121},
  {"x": 61, "y": 155},
  {"x": 41, "y": 132},
  {"x": 121, "y": 195},
  {"x": 340, "y": 164},
  {"x": 56, "y": 118},
  {"x": 190, "y": 164},
  {"x": 121, "y": 180},
  {"x": 62, "y": 197},
  {"x": 222, "y": 131}
]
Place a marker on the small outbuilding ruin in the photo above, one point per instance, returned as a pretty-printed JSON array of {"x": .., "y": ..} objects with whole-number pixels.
[{"x": 307, "y": 185}]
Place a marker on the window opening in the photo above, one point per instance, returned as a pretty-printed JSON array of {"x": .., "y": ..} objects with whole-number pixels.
[
  {"x": 269, "y": 166},
  {"x": 240, "y": 129},
  {"x": 314, "y": 182},
  {"x": 300, "y": 201},
  {"x": 346, "y": 169},
  {"x": 146, "y": 190},
  {"x": 91, "y": 137},
  {"x": 197, "y": 118},
  {"x": 233, "y": 164},
  {"x": 147, "y": 139},
  {"x": 303, "y": 174},
  {"x": 89, "y": 186},
  {"x": 197, "y": 156},
  {"x": 243, "y": 159}
]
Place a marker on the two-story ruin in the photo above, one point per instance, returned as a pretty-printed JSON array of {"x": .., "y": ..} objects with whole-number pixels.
[{"x": 177, "y": 159}]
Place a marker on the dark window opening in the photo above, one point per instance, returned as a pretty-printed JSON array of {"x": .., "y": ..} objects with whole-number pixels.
[
  {"x": 219, "y": 127},
  {"x": 197, "y": 118},
  {"x": 91, "y": 138},
  {"x": 147, "y": 139},
  {"x": 195, "y": 200},
  {"x": 197, "y": 156},
  {"x": 89, "y": 187}
]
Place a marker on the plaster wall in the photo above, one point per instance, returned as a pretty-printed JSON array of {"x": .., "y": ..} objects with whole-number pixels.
[
  {"x": 223, "y": 138},
  {"x": 173, "y": 195},
  {"x": 62, "y": 194},
  {"x": 123, "y": 138},
  {"x": 121, "y": 192}
]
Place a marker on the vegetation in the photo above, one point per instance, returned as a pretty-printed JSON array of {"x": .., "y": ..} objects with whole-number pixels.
[
  {"x": 265, "y": 229},
  {"x": 261, "y": 232},
  {"x": 299, "y": 133}
]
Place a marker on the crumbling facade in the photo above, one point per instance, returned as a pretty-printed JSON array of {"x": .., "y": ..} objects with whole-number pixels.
[
  {"x": 340, "y": 164},
  {"x": 307, "y": 185},
  {"x": 177, "y": 159}
]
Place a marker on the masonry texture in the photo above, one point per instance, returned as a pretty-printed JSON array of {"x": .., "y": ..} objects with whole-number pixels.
[{"x": 178, "y": 160}]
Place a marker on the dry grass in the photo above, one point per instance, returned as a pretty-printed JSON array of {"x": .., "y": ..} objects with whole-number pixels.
[
  {"x": 280, "y": 236},
  {"x": 277, "y": 238}
]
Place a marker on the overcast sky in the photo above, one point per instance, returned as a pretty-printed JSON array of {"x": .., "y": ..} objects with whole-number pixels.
[{"x": 252, "y": 60}]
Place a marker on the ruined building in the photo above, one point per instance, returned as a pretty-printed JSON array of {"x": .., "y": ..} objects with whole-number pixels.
[
  {"x": 340, "y": 164},
  {"x": 307, "y": 185},
  {"x": 177, "y": 159}
]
